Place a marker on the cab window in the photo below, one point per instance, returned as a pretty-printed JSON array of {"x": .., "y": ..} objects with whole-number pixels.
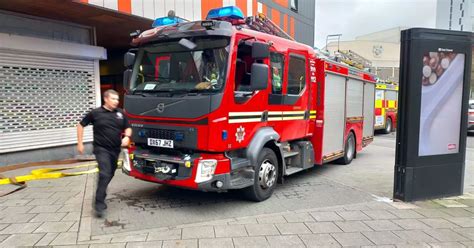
[
  {"x": 243, "y": 67},
  {"x": 296, "y": 75},
  {"x": 277, "y": 64}
]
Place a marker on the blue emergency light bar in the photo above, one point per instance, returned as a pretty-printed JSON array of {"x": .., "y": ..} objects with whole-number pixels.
[
  {"x": 229, "y": 12},
  {"x": 164, "y": 21}
]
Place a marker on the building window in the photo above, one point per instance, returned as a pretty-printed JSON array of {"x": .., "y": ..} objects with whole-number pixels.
[{"x": 294, "y": 5}]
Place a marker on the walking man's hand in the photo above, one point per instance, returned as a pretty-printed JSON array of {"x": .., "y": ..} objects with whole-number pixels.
[
  {"x": 125, "y": 141},
  {"x": 80, "y": 148}
]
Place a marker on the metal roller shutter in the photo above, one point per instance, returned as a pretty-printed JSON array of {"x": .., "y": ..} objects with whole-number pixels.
[
  {"x": 369, "y": 105},
  {"x": 334, "y": 114},
  {"x": 42, "y": 98}
]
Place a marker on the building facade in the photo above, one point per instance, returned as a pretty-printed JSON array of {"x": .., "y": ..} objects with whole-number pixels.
[
  {"x": 381, "y": 48},
  {"x": 57, "y": 56},
  {"x": 454, "y": 15},
  {"x": 294, "y": 17}
]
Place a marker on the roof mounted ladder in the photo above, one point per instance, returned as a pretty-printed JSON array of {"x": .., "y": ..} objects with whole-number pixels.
[{"x": 262, "y": 24}]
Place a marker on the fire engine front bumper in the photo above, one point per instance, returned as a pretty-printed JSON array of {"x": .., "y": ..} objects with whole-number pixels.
[{"x": 206, "y": 173}]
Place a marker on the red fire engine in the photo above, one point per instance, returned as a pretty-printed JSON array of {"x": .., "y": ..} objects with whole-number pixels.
[{"x": 235, "y": 103}]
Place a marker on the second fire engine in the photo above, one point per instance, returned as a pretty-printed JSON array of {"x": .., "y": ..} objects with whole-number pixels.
[{"x": 386, "y": 105}]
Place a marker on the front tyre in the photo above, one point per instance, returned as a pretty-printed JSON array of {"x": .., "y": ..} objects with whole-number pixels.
[
  {"x": 388, "y": 126},
  {"x": 265, "y": 178}
]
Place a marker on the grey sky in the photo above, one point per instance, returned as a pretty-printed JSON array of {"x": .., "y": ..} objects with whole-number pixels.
[{"x": 352, "y": 18}]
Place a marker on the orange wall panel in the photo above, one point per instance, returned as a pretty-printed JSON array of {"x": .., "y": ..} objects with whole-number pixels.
[
  {"x": 84, "y": 1},
  {"x": 276, "y": 16},
  {"x": 264, "y": 9},
  {"x": 254, "y": 7},
  {"x": 207, "y": 5},
  {"x": 285, "y": 23},
  {"x": 242, "y": 4},
  {"x": 292, "y": 27},
  {"x": 125, "y": 6}
]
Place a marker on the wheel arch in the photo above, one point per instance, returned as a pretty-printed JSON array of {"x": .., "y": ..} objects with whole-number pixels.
[{"x": 265, "y": 137}]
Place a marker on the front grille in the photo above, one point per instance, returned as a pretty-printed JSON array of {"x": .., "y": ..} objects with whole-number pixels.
[{"x": 161, "y": 134}]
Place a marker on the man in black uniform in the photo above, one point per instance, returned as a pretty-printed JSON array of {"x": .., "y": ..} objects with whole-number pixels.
[{"x": 109, "y": 124}]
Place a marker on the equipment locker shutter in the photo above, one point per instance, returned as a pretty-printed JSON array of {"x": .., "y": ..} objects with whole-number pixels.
[
  {"x": 369, "y": 97},
  {"x": 42, "y": 98},
  {"x": 334, "y": 114},
  {"x": 355, "y": 91}
]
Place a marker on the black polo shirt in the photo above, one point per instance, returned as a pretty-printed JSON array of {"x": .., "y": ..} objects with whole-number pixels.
[{"x": 108, "y": 127}]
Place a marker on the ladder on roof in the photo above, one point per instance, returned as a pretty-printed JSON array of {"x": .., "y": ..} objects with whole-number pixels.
[
  {"x": 262, "y": 24},
  {"x": 353, "y": 59}
]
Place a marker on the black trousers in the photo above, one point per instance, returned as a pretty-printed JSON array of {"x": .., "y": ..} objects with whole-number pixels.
[{"x": 107, "y": 160}]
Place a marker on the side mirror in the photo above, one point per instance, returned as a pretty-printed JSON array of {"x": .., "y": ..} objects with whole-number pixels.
[
  {"x": 128, "y": 59},
  {"x": 127, "y": 77},
  {"x": 260, "y": 50},
  {"x": 259, "y": 77}
]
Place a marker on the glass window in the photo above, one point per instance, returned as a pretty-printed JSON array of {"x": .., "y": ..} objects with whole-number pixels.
[
  {"x": 391, "y": 95},
  {"x": 277, "y": 64},
  {"x": 296, "y": 75},
  {"x": 171, "y": 67},
  {"x": 294, "y": 5}
]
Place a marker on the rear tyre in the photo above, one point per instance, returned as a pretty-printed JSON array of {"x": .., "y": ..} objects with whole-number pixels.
[
  {"x": 265, "y": 180},
  {"x": 388, "y": 126},
  {"x": 349, "y": 150}
]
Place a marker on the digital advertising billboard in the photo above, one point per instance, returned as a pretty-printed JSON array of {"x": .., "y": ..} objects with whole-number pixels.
[
  {"x": 435, "y": 67},
  {"x": 441, "y": 99}
]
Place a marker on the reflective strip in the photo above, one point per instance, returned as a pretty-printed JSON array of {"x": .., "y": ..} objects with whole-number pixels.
[
  {"x": 391, "y": 103},
  {"x": 286, "y": 115},
  {"x": 293, "y": 118},
  {"x": 232, "y": 114},
  {"x": 275, "y": 113},
  {"x": 293, "y": 112},
  {"x": 378, "y": 103},
  {"x": 245, "y": 117},
  {"x": 245, "y": 120}
]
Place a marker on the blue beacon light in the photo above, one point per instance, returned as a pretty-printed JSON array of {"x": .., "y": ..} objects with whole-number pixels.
[
  {"x": 165, "y": 21},
  {"x": 230, "y": 12}
]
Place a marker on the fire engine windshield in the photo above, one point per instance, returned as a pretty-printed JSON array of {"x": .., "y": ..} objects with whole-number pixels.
[{"x": 182, "y": 66}]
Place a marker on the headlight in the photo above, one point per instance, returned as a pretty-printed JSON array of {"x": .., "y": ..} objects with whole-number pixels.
[
  {"x": 126, "y": 161},
  {"x": 205, "y": 170}
]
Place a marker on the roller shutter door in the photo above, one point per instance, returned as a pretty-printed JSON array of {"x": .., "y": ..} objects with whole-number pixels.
[{"x": 42, "y": 98}]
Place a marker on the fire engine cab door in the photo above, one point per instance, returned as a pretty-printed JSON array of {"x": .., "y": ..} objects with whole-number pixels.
[{"x": 288, "y": 96}]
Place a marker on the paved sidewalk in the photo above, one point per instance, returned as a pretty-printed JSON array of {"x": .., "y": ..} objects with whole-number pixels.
[{"x": 58, "y": 213}]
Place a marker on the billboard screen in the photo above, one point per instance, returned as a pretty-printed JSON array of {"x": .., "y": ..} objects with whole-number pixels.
[{"x": 441, "y": 101}]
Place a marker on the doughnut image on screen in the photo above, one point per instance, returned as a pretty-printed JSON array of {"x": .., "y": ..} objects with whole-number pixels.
[{"x": 441, "y": 100}]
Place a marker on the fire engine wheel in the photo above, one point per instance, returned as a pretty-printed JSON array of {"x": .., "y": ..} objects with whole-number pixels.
[
  {"x": 349, "y": 150},
  {"x": 388, "y": 126},
  {"x": 265, "y": 177}
]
